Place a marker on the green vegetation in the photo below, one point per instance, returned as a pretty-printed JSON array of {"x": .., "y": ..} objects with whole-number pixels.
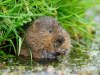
[{"x": 14, "y": 14}]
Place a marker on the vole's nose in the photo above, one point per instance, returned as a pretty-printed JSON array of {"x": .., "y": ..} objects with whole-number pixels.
[{"x": 61, "y": 39}]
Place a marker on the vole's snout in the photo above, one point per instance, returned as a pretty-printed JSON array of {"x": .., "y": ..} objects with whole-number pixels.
[{"x": 58, "y": 42}]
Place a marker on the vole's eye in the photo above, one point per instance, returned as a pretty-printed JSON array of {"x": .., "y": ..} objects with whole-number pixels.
[{"x": 50, "y": 31}]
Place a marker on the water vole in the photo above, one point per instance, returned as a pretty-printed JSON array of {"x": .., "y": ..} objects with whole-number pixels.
[{"x": 46, "y": 39}]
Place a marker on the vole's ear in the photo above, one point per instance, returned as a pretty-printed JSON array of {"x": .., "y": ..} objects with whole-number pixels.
[
  {"x": 37, "y": 22},
  {"x": 34, "y": 27}
]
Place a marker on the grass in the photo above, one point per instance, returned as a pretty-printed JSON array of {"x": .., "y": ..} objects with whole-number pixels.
[{"x": 14, "y": 14}]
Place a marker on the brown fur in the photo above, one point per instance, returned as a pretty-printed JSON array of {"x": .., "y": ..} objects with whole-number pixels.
[{"x": 45, "y": 38}]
